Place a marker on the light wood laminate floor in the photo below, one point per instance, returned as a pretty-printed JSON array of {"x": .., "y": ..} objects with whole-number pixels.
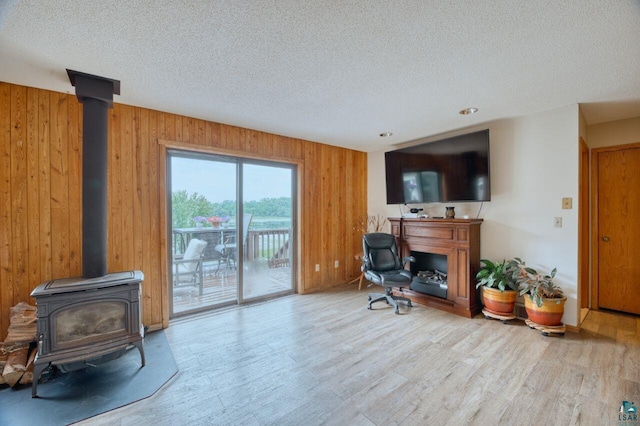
[{"x": 325, "y": 359}]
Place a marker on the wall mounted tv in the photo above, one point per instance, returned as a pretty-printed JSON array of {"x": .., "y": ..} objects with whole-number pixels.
[{"x": 455, "y": 169}]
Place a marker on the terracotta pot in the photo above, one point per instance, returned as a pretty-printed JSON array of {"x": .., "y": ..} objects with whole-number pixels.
[
  {"x": 499, "y": 302},
  {"x": 550, "y": 313}
]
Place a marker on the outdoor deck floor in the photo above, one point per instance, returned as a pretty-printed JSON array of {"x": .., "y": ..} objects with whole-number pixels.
[{"x": 220, "y": 286}]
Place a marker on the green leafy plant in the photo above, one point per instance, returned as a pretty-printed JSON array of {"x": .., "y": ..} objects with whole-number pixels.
[
  {"x": 537, "y": 286},
  {"x": 496, "y": 275}
]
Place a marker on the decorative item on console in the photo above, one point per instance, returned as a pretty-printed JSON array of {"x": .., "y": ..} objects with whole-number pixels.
[
  {"x": 370, "y": 223},
  {"x": 451, "y": 213}
]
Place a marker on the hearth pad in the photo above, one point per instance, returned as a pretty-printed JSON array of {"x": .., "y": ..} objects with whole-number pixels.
[{"x": 69, "y": 398}]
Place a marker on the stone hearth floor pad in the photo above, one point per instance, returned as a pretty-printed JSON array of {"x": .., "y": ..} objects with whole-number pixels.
[{"x": 65, "y": 398}]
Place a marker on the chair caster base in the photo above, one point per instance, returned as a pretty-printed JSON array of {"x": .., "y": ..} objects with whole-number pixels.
[{"x": 389, "y": 299}]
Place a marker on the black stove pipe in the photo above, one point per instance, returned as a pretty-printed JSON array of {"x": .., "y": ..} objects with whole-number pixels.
[{"x": 96, "y": 95}]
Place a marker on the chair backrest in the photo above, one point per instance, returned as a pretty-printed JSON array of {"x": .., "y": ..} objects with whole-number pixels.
[
  {"x": 194, "y": 250},
  {"x": 381, "y": 252},
  {"x": 246, "y": 221}
]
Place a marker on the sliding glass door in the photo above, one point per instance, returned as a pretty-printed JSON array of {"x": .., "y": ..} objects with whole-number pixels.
[
  {"x": 267, "y": 195},
  {"x": 231, "y": 230}
]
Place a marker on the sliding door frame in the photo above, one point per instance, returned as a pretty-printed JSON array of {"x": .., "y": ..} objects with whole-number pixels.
[{"x": 165, "y": 203}]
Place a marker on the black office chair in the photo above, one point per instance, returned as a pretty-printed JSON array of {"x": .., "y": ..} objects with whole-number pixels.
[{"x": 381, "y": 265}]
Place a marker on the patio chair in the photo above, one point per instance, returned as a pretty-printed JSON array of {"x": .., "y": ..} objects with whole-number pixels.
[
  {"x": 187, "y": 268},
  {"x": 229, "y": 248}
]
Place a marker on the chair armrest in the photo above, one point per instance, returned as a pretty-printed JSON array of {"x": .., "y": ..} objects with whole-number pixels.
[
  {"x": 365, "y": 264},
  {"x": 408, "y": 259}
]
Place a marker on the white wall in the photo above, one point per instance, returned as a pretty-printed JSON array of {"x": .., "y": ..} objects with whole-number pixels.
[
  {"x": 534, "y": 164},
  {"x": 619, "y": 132}
]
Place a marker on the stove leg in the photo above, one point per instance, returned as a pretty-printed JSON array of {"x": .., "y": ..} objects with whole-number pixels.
[
  {"x": 37, "y": 371},
  {"x": 140, "y": 346}
]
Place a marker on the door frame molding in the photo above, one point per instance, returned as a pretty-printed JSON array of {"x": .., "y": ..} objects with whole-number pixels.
[
  {"x": 595, "y": 237},
  {"x": 584, "y": 297}
]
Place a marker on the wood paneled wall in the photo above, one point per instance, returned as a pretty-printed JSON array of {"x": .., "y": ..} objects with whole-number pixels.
[{"x": 40, "y": 194}]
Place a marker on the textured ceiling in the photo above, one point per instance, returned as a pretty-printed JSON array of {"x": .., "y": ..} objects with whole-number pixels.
[{"x": 338, "y": 72}]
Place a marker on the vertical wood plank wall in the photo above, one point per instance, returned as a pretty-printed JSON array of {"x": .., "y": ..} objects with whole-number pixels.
[{"x": 40, "y": 194}]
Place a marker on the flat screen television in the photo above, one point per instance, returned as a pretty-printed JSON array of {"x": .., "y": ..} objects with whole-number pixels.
[{"x": 455, "y": 169}]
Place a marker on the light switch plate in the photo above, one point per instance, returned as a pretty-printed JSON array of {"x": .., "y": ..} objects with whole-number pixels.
[{"x": 567, "y": 203}]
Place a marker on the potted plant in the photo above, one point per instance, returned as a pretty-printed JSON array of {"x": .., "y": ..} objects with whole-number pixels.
[
  {"x": 215, "y": 221},
  {"x": 199, "y": 220},
  {"x": 544, "y": 300},
  {"x": 499, "y": 288}
]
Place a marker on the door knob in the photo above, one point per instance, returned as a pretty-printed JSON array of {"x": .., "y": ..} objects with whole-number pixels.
[{"x": 605, "y": 239}]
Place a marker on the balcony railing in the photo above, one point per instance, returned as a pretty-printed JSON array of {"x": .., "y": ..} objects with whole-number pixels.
[{"x": 270, "y": 244}]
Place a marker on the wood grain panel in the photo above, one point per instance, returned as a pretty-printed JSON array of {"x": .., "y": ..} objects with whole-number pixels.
[
  {"x": 326, "y": 213},
  {"x": 33, "y": 183},
  {"x": 59, "y": 169},
  {"x": 213, "y": 134},
  {"x": 127, "y": 185},
  {"x": 153, "y": 284},
  {"x": 75, "y": 187},
  {"x": 6, "y": 269},
  {"x": 168, "y": 127},
  {"x": 140, "y": 190},
  {"x": 19, "y": 206},
  {"x": 180, "y": 129},
  {"x": 44, "y": 178},
  {"x": 40, "y": 194},
  {"x": 114, "y": 224},
  {"x": 311, "y": 218}
]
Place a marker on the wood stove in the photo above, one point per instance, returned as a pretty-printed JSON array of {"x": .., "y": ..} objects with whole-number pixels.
[{"x": 83, "y": 320}]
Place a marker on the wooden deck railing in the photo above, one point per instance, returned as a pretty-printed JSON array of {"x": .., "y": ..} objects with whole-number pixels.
[{"x": 272, "y": 244}]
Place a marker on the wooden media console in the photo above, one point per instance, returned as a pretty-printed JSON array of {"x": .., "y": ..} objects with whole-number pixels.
[{"x": 459, "y": 241}]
